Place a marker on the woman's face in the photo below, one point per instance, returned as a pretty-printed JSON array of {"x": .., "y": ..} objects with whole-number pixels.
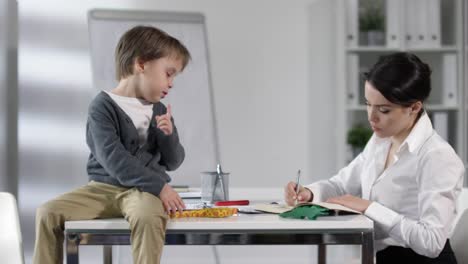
[{"x": 387, "y": 119}]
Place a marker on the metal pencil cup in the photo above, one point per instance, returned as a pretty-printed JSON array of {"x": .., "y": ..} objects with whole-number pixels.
[{"x": 214, "y": 187}]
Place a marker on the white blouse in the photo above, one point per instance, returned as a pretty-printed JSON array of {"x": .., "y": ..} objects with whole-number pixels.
[{"x": 414, "y": 199}]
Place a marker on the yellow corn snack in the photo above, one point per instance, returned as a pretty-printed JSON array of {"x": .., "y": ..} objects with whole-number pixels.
[{"x": 217, "y": 212}]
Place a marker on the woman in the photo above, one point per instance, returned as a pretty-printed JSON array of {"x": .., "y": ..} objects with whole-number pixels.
[{"x": 407, "y": 179}]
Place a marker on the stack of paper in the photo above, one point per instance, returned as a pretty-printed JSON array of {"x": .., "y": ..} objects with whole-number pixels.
[{"x": 185, "y": 192}]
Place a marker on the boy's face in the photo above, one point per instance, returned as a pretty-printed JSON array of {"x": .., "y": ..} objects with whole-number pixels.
[{"x": 156, "y": 77}]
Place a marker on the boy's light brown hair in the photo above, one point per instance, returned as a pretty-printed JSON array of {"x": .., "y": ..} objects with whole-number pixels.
[{"x": 146, "y": 43}]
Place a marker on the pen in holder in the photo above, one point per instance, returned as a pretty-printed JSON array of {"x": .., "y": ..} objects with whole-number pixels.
[{"x": 215, "y": 185}]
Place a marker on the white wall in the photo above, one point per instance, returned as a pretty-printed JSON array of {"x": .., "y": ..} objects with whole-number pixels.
[
  {"x": 272, "y": 69},
  {"x": 272, "y": 84}
]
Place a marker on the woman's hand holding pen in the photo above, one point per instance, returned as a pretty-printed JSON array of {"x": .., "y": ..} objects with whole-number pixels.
[
  {"x": 290, "y": 197},
  {"x": 164, "y": 122},
  {"x": 171, "y": 199}
]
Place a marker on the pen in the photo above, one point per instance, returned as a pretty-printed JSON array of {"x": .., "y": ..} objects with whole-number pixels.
[
  {"x": 230, "y": 203},
  {"x": 297, "y": 183}
]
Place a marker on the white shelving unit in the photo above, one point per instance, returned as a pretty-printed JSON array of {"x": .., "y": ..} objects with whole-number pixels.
[
  {"x": 434, "y": 32},
  {"x": 465, "y": 78}
]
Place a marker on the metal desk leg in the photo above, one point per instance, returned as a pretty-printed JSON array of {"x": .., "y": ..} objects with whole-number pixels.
[
  {"x": 72, "y": 242},
  {"x": 322, "y": 254},
  {"x": 107, "y": 254},
  {"x": 367, "y": 249},
  {"x": 216, "y": 254}
]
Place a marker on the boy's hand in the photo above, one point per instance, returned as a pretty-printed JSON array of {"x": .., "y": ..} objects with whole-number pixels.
[
  {"x": 304, "y": 195},
  {"x": 171, "y": 199},
  {"x": 164, "y": 122}
]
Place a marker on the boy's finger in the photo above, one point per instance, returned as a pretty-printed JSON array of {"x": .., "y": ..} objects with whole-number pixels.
[
  {"x": 169, "y": 110},
  {"x": 167, "y": 207},
  {"x": 177, "y": 203},
  {"x": 164, "y": 126},
  {"x": 181, "y": 203},
  {"x": 173, "y": 206},
  {"x": 181, "y": 206},
  {"x": 162, "y": 117},
  {"x": 162, "y": 123}
]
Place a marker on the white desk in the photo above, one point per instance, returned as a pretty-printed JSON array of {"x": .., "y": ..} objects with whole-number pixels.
[{"x": 261, "y": 229}]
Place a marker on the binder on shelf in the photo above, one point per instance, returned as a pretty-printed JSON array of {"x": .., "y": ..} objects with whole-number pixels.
[
  {"x": 433, "y": 20},
  {"x": 352, "y": 24},
  {"x": 440, "y": 124},
  {"x": 353, "y": 80},
  {"x": 449, "y": 79},
  {"x": 421, "y": 20},
  {"x": 416, "y": 23},
  {"x": 393, "y": 23}
]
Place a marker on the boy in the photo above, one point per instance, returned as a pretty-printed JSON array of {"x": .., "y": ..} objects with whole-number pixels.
[{"x": 133, "y": 142}]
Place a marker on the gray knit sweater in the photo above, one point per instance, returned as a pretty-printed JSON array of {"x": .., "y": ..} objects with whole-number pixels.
[{"x": 115, "y": 155}]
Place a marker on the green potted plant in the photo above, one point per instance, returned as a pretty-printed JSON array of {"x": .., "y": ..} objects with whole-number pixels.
[
  {"x": 371, "y": 22},
  {"x": 357, "y": 138}
]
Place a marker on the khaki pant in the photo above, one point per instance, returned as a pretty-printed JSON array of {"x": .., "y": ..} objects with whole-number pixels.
[{"x": 144, "y": 212}]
